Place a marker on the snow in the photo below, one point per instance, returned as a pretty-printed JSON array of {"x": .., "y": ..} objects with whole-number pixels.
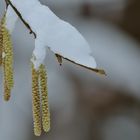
[
  {"x": 11, "y": 19},
  {"x": 61, "y": 37}
]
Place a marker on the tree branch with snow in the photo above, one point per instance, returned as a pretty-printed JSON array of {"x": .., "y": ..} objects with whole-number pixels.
[{"x": 49, "y": 32}]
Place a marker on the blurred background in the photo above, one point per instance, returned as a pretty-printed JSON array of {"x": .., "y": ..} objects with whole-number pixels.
[{"x": 84, "y": 105}]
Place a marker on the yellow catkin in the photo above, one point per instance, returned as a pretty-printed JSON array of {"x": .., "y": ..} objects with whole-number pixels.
[
  {"x": 36, "y": 102},
  {"x": 1, "y": 42},
  {"x": 7, "y": 93},
  {"x": 44, "y": 99},
  {"x": 7, "y": 61}
]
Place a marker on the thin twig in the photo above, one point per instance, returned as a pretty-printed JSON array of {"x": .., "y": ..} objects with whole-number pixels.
[
  {"x": 99, "y": 71},
  {"x": 8, "y": 2}
]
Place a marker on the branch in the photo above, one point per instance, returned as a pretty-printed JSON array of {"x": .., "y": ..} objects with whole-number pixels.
[
  {"x": 99, "y": 71},
  {"x": 8, "y": 2}
]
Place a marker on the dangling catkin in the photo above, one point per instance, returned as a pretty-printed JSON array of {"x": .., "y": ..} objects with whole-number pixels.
[
  {"x": 7, "y": 61},
  {"x": 7, "y": 93},
  {"x": 1, "y": 42},
  {"x": 36, "y": 102},
  {"x": 44, "y": 99}
]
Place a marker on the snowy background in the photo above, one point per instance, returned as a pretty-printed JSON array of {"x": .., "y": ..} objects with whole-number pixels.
[{"x": 84, "y": 106}]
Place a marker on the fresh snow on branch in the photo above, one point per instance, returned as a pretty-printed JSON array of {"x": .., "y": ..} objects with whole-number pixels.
[
  {"x": 52, "y": 32},
  {"x": 49, "y": 32},
  {"x": 11, "y": 19}
]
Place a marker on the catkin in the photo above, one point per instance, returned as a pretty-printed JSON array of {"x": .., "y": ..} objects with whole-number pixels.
[
  {"x": 7, "y": 93},
  {"x": 44, "y": 99},
  {"x": 1, "y": 42},
  {"x": 7, "y": 61},
  {"x": 36, "y": 102}
]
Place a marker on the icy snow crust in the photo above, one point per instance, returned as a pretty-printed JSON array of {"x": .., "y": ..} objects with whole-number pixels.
[{"x": 61, "y": 37}]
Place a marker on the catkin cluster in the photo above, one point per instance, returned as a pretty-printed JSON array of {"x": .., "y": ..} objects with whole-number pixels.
[
  {"x": 41, "y": 114},
  {"x": 6, "y": 58}
]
